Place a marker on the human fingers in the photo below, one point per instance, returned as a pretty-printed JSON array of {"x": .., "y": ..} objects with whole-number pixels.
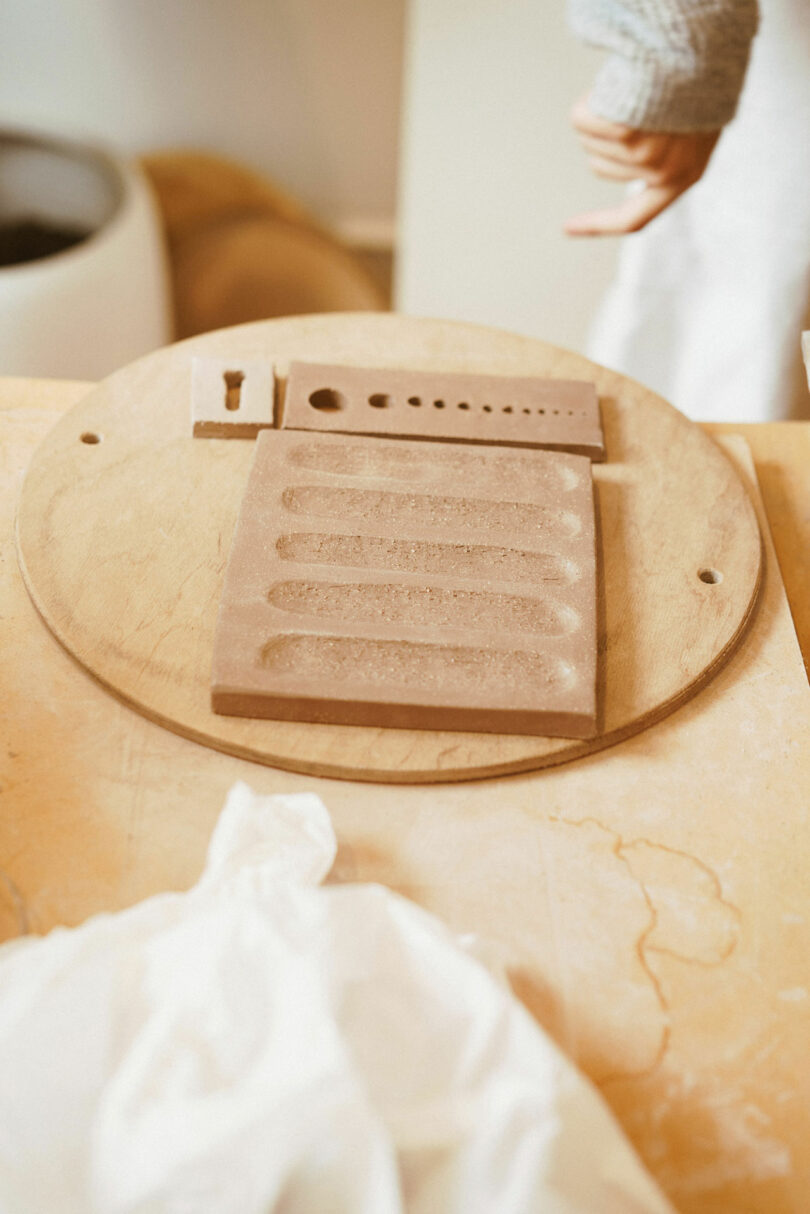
[
  {"x": 680, "y": 160},
  {"x": 614, "y": 170},
  {"x": 682, "y": 150},
  {"x": 584, "y": 120},
  {"x": 648, "y": 150},
  {"x": 632, "y": 214}
]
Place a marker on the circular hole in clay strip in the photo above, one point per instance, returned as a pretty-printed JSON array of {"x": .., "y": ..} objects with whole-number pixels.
[
  {"x": 380, "y": 400},
  {"x": 90, "y": 438},
  {"x": 712, "y": 577},
  {"x": 328, "y": 400}
]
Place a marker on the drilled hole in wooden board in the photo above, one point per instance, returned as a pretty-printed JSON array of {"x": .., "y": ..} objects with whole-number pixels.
[
  {"x": 233, "y": 389},
  {"x": 90, "y": 438},
  {"x": 380, "y": 400},
  {"x": 438, "y": 404},
  {"x": 414, "y": 400},
  {"x": 712, "y": 577},
  {"x": 328, "y": 400}
]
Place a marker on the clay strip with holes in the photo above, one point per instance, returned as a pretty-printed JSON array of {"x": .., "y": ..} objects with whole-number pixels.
[{"x": 555, "y": 414}]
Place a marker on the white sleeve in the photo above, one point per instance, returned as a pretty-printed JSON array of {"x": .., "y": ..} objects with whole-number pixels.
[{"x": 672, "y": 65}]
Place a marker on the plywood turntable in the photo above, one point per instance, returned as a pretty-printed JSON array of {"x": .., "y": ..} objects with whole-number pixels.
[{"x": 126, "y": 520}]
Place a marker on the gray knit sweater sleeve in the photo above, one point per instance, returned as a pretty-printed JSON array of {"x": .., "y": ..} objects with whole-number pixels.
[{"x": 673, "y": 65}]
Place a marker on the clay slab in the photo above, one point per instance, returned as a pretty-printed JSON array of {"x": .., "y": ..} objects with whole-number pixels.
[
  {"x": 559, "y": 415},
  {"x": 413, "y": 585},
  {"x": 231, "y": 398}
]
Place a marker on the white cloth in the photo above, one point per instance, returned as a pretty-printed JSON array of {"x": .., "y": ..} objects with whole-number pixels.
[
  {"x": 710, "y": 299},
  {"x": 262, "y": 1042}
]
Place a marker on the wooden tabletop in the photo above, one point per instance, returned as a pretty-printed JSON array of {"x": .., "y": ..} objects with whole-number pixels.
[
  {"x": 651, "y": 905},
  {"x": 781, "y": 453}
]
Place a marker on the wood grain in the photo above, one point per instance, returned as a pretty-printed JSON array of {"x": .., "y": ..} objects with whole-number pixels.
[
  {"x": 782, "y": 454},
  {"x": 650, "y": 903},
  {"x": 123, "y": 544}
]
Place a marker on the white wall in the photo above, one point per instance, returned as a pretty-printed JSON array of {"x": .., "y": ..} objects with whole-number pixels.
[
  {"x": 306, "y": 91},
  {"x": 490, "y": 169}
]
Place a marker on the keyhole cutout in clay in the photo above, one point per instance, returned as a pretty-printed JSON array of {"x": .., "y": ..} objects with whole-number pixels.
[{"x": 233, "y": 389}]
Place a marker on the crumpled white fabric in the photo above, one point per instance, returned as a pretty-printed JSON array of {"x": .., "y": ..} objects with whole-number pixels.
[
  {"x": 709, "y": 300},
  {"x": 263, "y": 1042}
]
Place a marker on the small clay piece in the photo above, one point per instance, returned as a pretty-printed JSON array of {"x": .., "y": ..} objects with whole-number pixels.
[
  {"x": 231, "y": 398},
  {"x": 556, "y": 414},
  {"x": 413, "y": 585}
]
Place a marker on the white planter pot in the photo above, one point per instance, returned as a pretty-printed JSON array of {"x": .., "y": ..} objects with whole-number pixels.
[{"x": 82, "y": 312}]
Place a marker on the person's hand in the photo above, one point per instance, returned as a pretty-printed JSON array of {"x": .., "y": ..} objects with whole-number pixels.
[{"x": 666, "y": 163}]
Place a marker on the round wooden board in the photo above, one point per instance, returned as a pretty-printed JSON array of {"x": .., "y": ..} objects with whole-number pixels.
[{"x": 123, "y": 544}]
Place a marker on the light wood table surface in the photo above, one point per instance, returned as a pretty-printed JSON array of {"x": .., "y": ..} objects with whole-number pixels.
[
  {"x": 651, "y": 904},
  {"x": 781, "y": 453}
]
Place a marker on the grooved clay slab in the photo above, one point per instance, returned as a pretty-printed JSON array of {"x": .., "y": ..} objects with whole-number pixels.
[
  {"x": 231, "y": 398},
  {"x": 411, "y": 585},
  {"x": 560, "y": 415}
]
